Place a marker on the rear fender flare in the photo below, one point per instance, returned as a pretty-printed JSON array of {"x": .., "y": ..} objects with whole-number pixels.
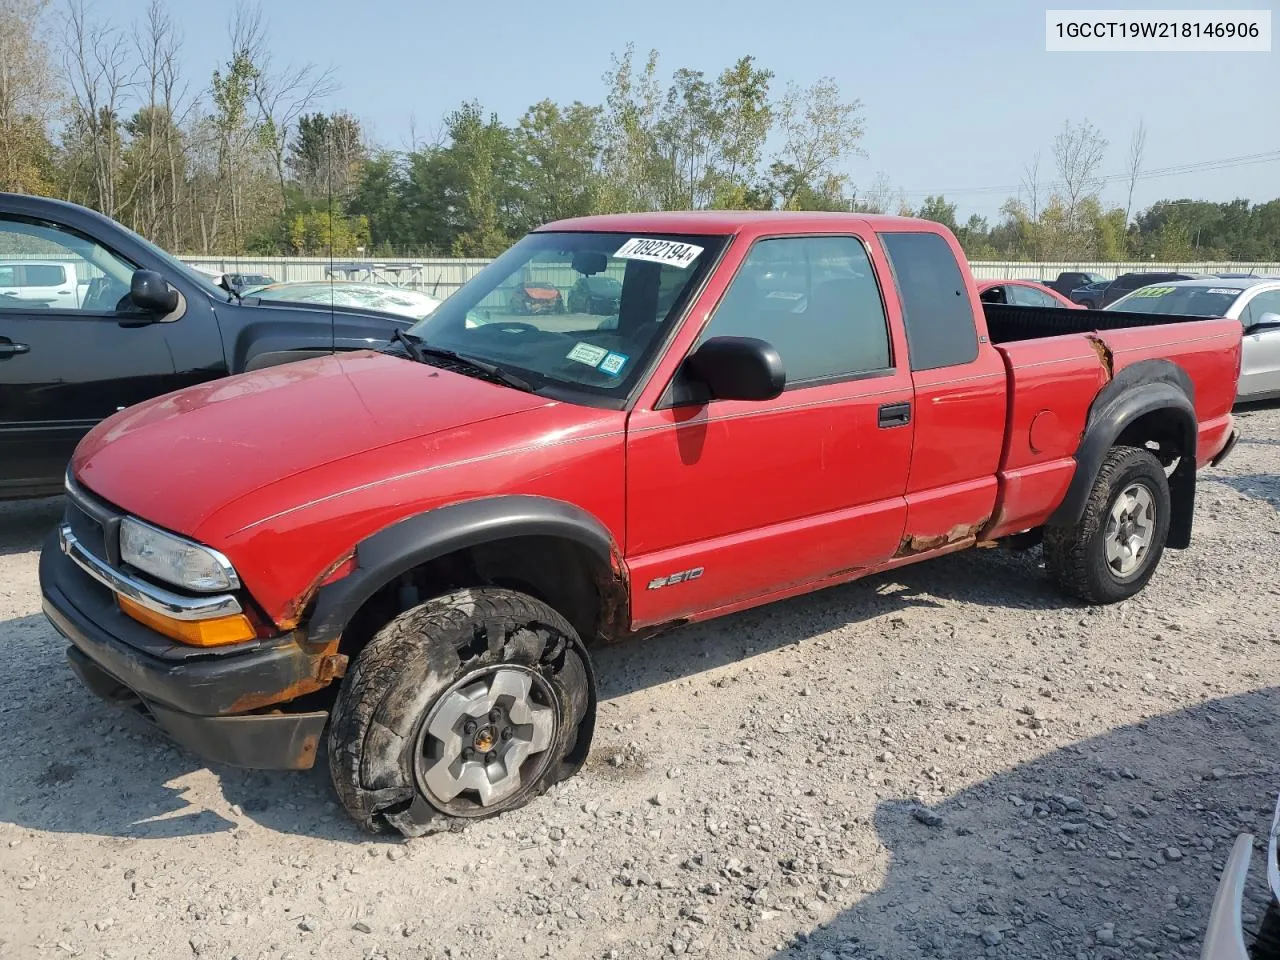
[
  {"x": 1143, "y": 388},
  {"x": 396, "y": 549}
]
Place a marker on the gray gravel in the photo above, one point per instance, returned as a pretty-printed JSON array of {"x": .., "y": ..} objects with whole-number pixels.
[{"x": 946, "y": 761}]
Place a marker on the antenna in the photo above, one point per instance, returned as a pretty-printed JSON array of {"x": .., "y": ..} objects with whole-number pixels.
[{"x": 328, "y": 164}]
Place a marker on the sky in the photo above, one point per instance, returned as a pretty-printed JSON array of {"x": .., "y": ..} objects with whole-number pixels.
[{"x": 957, "y": 96}]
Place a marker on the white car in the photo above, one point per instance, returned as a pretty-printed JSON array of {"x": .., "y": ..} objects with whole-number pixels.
[
  {"x": 346, "y": 293},
  {"x": 48, "y": 284},
  {"x": 1254, "y": 301}
]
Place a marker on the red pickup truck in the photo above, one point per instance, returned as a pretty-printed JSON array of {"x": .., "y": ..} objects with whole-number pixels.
[{"x": 414, "y": 548}]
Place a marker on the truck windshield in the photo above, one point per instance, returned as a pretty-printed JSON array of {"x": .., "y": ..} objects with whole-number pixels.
[
  {"x": 1183, "y": 301},
  {"x": 574, "y": 312}
]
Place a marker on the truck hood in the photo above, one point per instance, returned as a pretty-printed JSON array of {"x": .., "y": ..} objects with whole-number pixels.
[{"x": 178, "y": 458}]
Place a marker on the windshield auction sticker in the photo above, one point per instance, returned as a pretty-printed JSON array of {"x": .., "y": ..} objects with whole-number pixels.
[
  {"x": 669, "y": 252},
  {"x": 587, "y": 353}
]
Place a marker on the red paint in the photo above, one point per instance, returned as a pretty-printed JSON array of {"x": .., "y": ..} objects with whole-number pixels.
[
  {"x": 985, "y": 285},
  {"x": 286, "y": 470}
]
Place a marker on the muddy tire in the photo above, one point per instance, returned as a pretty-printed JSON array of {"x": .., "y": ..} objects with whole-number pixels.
[
  {"x": 465, "y": 706},
  {"x": 1112, "y": 551}
]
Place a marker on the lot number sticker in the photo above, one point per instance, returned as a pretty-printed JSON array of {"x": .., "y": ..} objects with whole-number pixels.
[
  {"x": 587, "y": 353},
  {"x": 669, "y": 252}
]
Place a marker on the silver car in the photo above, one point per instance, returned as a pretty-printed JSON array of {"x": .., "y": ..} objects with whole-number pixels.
[{"x": 1254, "y": 301}]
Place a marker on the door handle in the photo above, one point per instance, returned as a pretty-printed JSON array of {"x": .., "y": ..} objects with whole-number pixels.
[
  {"x": 895, "y": 414},
  {"x": 8, "y": 348}
]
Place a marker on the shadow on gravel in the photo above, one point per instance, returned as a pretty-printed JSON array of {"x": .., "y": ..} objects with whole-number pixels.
[
  {"x": 79, "y": 765},
  {"x": 1108, "y": 849},
  {"x": 1259, "y": 486},
  {"x": 25, "y": 523},
  {"x": 990, "y": 578}
]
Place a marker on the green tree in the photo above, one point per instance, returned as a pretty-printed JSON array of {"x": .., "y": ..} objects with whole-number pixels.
[
  {"x": 561, "y": 152},
  {"x": 819, "y": 131},
  {"x": 939, "y": 211},
  {"x": 631, "y": 158},
  {"x": 26, "y": 96},
  {"x": 380, "y": 197},
  {"x": 326, "y": 154}
]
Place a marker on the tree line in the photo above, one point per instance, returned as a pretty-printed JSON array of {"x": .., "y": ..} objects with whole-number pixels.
[{"x": 245, "y": 163}]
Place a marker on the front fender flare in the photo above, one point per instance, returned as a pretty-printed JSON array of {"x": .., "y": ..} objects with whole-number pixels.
[{"x": 396, "y": 549}]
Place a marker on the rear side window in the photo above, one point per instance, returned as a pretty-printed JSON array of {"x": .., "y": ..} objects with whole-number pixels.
[
  {"x": 935, "y": 306},
  {"x": 43, "y": 275},
  {"x": 815, "y": 299}
]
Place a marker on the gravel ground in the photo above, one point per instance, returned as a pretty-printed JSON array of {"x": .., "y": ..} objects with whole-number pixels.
[{"x": 946, "y": 761}]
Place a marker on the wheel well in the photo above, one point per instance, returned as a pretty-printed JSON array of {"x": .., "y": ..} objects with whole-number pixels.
[
  {"x": 558, "y": 571},
  {"x": 1160, "y": 431},
  {"x": 1166, "y": 434}
]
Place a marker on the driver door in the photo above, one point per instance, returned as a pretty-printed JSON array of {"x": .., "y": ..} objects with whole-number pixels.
[{"x": 64, "y": 368}]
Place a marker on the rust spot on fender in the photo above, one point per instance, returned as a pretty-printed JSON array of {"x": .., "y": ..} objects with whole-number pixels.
[
  {"x": 915, "y": 544},
  {"x": 318, "y": 668},
  {"x": 298, "y": 606},
  {"x": 1104, "y": 355},
  {"x": 614, "y": 589}
]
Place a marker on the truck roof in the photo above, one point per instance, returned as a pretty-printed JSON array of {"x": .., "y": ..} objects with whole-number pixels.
[{"x": 720, "y": 222}]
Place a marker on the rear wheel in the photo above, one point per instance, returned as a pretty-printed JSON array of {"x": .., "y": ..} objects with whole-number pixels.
[
  {"x": 466, "y": 706},
  {"x": 1112, "y": 551}
]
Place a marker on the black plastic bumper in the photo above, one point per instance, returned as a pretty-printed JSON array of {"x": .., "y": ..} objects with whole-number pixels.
[
  {"x": 194, "y": 699},
  {"x": 1227, "y": 448}
]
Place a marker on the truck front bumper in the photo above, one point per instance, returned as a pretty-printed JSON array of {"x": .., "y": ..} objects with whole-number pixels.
[{"x": 205, "y": 701}]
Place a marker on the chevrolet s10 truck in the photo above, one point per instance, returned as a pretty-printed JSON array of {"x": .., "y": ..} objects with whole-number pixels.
[{"x": 405, "y": 555}]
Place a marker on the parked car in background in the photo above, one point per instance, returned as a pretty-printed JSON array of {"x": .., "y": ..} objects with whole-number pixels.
[
  {"x": 47, "y": 283},
  {"x": 242, "y": 283},
  {"x": 1023, "y": 293},
  {"x": 350, "y": 293},
  {"x": 598, "y": 295},
  {"x": 1073, "y": 279},
  {"x": 1128, "y": 282},
  {"x": 1254, "y": 301},
  {"x": 142, "y": 324},
  {"x": 1090, "y": 295},
  {"x": 1224, "y": 934}
]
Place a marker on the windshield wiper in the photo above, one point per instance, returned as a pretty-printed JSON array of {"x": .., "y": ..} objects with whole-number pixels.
[
  {"x": 419, "y": 351},
  {"x": 411, "y": 346}
]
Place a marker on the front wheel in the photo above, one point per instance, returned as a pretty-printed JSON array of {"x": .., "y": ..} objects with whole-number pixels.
[
  {"x": 1112, "y": 551},
  {"x": 463, "y": 707}
]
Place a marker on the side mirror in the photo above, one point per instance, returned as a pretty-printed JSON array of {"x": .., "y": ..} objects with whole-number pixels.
[
  {"x": 149, "y": 291},
  {"x": 1268, "y": 321},
  {"x": 738, "y": 368}
]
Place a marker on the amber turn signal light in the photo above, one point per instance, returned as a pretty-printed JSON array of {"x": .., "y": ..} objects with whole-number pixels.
[{"x": 215, "y": 632}]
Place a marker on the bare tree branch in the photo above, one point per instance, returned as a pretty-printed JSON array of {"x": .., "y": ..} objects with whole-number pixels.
[{"x": 1137, "y": 146}]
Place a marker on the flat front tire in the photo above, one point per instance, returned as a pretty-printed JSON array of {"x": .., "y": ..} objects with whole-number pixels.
[
  {"x": 463, "y": 707},
  {"x": 1111, "y": 552}
]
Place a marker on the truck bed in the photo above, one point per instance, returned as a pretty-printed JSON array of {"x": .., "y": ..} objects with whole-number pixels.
[
  {"x": 1007, "y": 323},
  {"x": 1058, "y": 361}
]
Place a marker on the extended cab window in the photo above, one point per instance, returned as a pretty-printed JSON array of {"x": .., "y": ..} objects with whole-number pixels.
[
  {"x": 815, "y": 299},
  {"x": 935, "y": 306}
]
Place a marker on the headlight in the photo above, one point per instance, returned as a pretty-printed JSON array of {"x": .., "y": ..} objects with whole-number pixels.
[{"x": 175, "y": 560}]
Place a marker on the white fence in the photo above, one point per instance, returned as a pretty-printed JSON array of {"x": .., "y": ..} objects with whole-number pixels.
[{"x": 441, "y": 277}]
